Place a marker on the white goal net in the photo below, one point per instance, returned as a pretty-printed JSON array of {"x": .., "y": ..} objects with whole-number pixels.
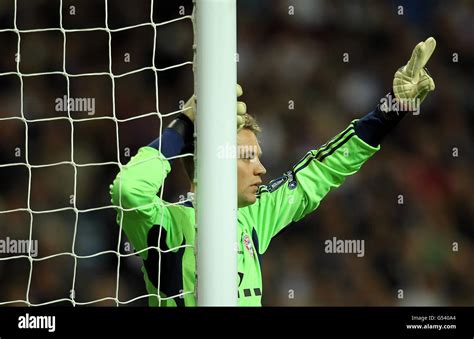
[{"x": 79, "y": 94}]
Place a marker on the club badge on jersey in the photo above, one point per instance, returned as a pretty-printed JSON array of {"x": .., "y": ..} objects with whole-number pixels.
[
  {"x": 248, "y": 244},
  {"x": 276, "y": 183}
]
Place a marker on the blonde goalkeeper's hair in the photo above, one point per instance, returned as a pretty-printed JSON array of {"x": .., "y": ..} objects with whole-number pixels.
[{"x": 246, "y": 121}]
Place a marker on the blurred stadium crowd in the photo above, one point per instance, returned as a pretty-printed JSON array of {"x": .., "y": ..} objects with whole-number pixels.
[{"x": 411, "y": 203}]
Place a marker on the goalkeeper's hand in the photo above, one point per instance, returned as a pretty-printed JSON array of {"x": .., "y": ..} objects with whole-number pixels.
[
  {"x": 412, "y": 82},
  {"x": 189, "y": 109}
]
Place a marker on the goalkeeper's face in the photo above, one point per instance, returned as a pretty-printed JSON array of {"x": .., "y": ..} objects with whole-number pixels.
[{"x": 249, "y": 167}]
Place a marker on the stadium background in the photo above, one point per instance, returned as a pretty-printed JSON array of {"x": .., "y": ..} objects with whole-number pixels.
[{"x": 282, "y": 58}]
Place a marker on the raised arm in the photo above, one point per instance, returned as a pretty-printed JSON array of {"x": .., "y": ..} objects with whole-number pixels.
[
  {"x": 300, "y": 190},
  {"x": 136, "y": 187}
]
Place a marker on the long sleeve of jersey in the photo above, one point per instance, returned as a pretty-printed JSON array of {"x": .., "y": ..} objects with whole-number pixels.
[
  {"x": 136, "y": 187},
  {"x": 299, "y": 191},
  {"x": 150, "y": 222}
]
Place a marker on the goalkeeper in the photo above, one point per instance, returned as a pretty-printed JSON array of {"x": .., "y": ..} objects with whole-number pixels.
[{"x": 263, "y": 210}]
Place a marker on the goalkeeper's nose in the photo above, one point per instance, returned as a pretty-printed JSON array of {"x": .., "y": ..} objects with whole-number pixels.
[{"x": 259, "y": 168}]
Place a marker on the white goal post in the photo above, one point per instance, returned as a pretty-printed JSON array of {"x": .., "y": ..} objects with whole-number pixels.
[{"x": 216, "y": 194}]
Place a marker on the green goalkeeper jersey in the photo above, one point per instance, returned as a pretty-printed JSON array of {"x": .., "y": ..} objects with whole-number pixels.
[{"x": 148, "y": 221}]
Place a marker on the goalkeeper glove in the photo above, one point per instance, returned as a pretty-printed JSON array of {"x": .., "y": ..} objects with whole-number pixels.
[
  {"x": 241, "y": 109},
  {"x": 189, "y": 109},
  {"x": 412, "y": 82}
]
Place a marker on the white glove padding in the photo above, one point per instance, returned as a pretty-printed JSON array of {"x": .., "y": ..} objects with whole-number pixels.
[
  {"x": 189, "y": 108},
  {"x": 412, "y": 82}
]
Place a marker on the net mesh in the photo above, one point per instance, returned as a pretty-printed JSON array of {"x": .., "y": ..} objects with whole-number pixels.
[{"x": 70, "y": 118}]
